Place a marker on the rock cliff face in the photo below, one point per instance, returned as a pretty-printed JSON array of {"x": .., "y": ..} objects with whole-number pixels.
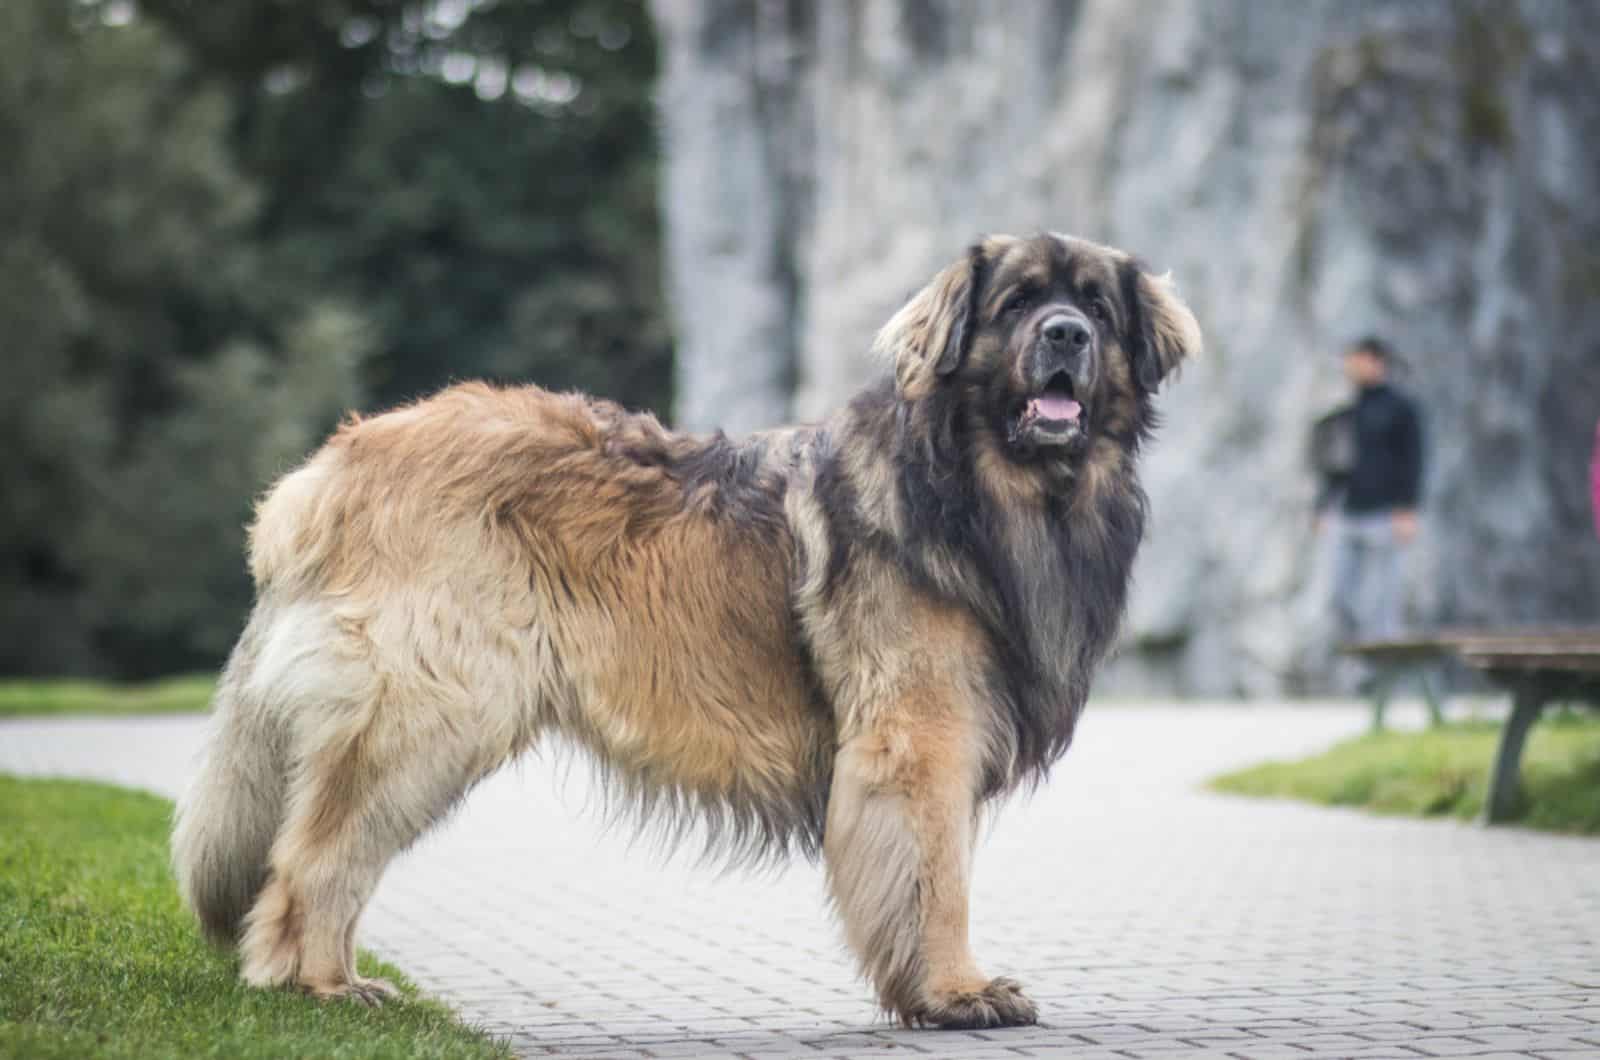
[{"x": 1309, "y": 172}]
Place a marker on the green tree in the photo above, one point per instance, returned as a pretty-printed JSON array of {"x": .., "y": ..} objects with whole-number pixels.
[
  {"x": 134, "y": 307},
  {"x": 163, "y": 542},
  {"x": 479, "y": 177},
  {"x": 222, "y": 222}
]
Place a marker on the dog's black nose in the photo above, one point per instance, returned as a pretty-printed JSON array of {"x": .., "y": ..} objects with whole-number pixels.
[{"x": 1066, "y": 333}]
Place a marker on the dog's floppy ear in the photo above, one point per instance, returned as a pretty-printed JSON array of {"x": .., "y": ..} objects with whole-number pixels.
[
  {"x": 1163, "y": 330},
  {"x": 929, "y": 336}
]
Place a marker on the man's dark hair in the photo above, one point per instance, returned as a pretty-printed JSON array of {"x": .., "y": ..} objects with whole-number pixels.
[{"x": 1373, "y": 345}]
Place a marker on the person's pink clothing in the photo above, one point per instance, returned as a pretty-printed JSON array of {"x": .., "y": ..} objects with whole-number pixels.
[{"x": 1594, "y": 480}]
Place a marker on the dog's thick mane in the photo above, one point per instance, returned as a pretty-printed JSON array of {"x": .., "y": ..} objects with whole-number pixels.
[{"x": 1048, "y": 582}]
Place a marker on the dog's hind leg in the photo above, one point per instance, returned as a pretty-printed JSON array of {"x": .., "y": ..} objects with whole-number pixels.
[{"x": 355, "y": 801}]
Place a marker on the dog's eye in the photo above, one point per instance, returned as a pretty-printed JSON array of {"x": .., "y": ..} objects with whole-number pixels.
[
  {"x": 1017, "y": 302},
  {"x": 1100, "y": 311}
]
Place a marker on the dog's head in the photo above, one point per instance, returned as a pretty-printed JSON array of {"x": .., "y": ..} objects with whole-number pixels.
[{"x": 1051, "y": 340}]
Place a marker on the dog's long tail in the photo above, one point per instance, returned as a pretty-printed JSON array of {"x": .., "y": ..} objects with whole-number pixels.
[{"x": 228, "y": 818}]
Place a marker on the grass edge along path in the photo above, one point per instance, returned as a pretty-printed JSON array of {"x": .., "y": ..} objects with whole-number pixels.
[
  {"x": 66, "y": 696},
  {"x": 1444, "y": 772},
  {"x": 99, "y": 960}
]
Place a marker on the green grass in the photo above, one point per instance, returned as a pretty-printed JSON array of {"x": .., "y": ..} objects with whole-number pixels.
[
  {"x": 97, "y": 958},
  {"x": 1444, "y": 772},
  {"x": 57, "y": 696}
]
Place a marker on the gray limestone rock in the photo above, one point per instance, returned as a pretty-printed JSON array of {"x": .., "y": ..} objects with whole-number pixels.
[{"x": 1423, "y": 169}]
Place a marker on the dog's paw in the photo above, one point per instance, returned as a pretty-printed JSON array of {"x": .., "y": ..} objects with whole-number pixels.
[
  {"x": 370, "y": 992},
  {"x": 375, "y": 992},
  {"x": 1000, "y": 1003}
]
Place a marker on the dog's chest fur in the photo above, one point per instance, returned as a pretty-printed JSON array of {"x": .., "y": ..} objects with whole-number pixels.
[{"x": 887, "y": 503}]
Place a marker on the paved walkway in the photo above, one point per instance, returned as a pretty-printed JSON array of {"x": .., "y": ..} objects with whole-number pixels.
[{"x": 1146, "y": 918}]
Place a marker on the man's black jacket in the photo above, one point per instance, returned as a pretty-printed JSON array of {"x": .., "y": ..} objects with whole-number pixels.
[{"x": 1388, "y": 452}]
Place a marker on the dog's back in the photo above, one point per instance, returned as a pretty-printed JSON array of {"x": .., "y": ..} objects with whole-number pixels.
[{"x": 437, "y": 587}]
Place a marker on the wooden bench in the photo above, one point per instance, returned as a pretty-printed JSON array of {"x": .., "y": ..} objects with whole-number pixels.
[
  {"x": 1398, "y": 658},
  {"x": 1537, "y": 667}
]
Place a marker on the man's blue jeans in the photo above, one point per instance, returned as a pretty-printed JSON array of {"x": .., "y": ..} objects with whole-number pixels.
[{"x": 1367, "y": 590}]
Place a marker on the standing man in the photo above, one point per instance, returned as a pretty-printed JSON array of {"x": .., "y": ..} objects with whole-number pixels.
[{"x": 1376, "y": 493}]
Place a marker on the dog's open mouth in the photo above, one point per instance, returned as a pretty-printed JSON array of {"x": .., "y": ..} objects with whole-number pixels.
[{"x": 1054, "y": 413}]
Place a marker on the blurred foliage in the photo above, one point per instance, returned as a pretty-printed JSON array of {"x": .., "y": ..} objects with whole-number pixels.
[
  {"x": 65, "y": 696},
  {"x": 222, "y": 222},
  {"x": 479, "y": 177}
]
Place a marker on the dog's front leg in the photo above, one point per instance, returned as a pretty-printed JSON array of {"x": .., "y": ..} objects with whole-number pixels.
[{"x": 898, "y": 846}]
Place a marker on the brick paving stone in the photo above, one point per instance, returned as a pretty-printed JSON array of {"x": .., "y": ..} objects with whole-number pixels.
[
  {"x": 1147, "y": 917},
  {"x": 1458, "y": 1045}
]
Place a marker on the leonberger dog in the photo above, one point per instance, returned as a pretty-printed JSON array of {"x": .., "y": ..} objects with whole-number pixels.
[{"x": 841, "y": 639}]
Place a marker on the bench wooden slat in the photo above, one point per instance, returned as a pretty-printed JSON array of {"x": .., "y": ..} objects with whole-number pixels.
[
  {"x": 1553, "y": 659},
  {"x": 1549, "y": 643}
]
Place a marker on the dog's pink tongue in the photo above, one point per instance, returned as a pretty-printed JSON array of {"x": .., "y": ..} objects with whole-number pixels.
[{"x": 1055, "y": 407}]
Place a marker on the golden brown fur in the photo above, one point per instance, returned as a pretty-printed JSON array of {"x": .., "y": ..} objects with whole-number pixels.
[{"x": 837, "y": 639}]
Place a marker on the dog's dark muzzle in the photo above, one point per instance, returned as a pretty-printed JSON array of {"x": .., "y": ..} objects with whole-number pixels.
[
  {"x": 1063, "y": 354},
  {"x": 1057, "y": 376}
]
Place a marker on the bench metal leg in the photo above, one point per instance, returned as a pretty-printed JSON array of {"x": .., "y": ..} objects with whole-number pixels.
[
  {"x": 1527, "y": 702},
  {"x": 1430, "y": 693},
  {"x": 1384, "y": 679},
  {"x": 1382, "y": 688}
]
